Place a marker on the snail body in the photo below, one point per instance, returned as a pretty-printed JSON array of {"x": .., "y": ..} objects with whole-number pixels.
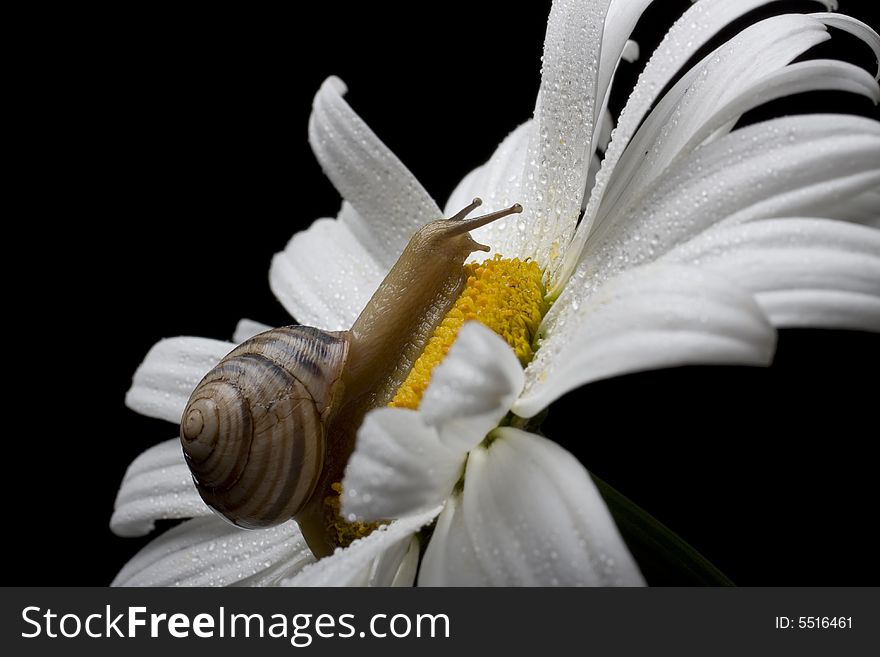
[{"x": 270, "y": 429}]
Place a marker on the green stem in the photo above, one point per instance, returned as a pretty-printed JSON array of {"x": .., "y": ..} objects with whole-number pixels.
[{"x": 654, "y": 544}]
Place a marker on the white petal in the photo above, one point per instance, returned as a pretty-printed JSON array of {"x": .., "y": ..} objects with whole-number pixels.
[
  {"x": 812, "y": 75},
  {"x": 594, "y": 168},
  {"x": 368, "y": 175},
  {"x": 821, "y": 308},
  {"x": 274, "y": 573},
  {"x": 406, "y": 461},
  {"x": 603, "y": 130},
  {"x": 171, "y": 370},
  {"x": 816, "y": 170},
  {"x": 325, "y": 277},
  {"x": 648, "y": 318},
  {"x": 499, "y": 184},
  {"x": 631, "y": 52},
  {"x": 814, "y": 196},
  {"x": 472, "y": 389},
  {"x": 451, "y": 559},
  {"x": 861, "y": 208},
  {"x": 619, "y": 24},
  {"x": 559, "y": 148},
  {"x": 637, "y": 171},
  {"x": 714, "y": 93},
  {"x": 210, "y": 552},
  {"x": 803, "y": 272},
  {"x": 616, "y": 47},
  {"x": 856, "y": 28},
  {"x": 692, "y": 31},
  {"x": 776, "y": 168},
  {"x": 533, "y": 518},
  {"x": 397, "y": 566},
  {"x": 399, "y": 467},
  {"x": 291, "y": 283},
  {"x": 248, "y": 328},
  {"x": 356, "y": 564},
  {"x": 157, "y": 486}
]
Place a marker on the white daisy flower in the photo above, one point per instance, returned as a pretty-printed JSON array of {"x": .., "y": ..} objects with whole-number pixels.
[{"x": 688, "y": 245}]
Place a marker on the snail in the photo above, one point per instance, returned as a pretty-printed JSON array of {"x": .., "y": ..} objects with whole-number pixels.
[{"x": 269, "y": 430}]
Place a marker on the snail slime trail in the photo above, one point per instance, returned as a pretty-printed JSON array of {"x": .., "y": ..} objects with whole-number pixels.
[{"x": 268, "y": 432}]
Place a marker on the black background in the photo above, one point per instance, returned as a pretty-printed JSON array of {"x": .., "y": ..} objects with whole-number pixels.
[{"x": 165, "y": 162}]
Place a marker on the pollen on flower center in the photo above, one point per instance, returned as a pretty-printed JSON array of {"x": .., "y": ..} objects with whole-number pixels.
[
  {"x": 343, "y": 531},
  {"x": 506, "y": 295}
]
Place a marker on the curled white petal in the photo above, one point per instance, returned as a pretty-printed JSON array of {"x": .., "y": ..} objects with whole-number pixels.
[
  {"x": 619, "y": 24},
  {"x": 690, "y": 32},
  {"x": 472, "y": 389},
  {"x": 783, "y": 167},
  {"x": 713, "y": 94},
  {"x": 856, "y": 28}
]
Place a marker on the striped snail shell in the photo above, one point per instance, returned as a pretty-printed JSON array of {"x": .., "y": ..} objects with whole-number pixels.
[
  {"x": 253, "y": 430},
  {"x": 268, "y": 432}
]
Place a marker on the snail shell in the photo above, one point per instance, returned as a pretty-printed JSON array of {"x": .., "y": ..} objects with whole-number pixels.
[
  {"x": 253, "y": 430},
  {"x": 268, "y": 432}
]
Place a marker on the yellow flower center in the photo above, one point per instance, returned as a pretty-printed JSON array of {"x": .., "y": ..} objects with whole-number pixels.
[
  {"x": 341, "y": 530},
  {"x": 505, "y": 295}
]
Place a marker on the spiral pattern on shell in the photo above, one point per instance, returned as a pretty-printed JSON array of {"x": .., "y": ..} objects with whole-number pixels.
[{"x": 253, "y": 433}]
